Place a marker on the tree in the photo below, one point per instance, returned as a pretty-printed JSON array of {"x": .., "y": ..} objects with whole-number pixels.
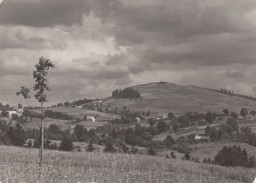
[
  {"x": 234, "y": 115},
  {"x": 225, "y": 111},
  {"x": 209, "y": 117},
  {"x": 151, "y": 152},
  {"x": 79, "y": 132},
  {"x": 187, "y": 156},
  {"x": 175, "y": 126},
  {"x": 19, "y": 106},
  {"x": 234, "y": 156},
  {"x": 151, "y": 122},
  {"x": 25, "y": 93},
  {"x": 109, "y": 145},
  {"x": 162, "y": 126},
  {"x": 148, "y": 113},
  {"x": 233, "y": 123},
  {"x": 173, "y": 155},
  {"x": 253, "y": 113},
  {"x": 16, "y": 135},
  {"x": 169, "y": 141},
  {"x": 247, "y": 131},
  {"x": 170, "y": 115},
  {"x": 66, "y": 144},
  {"x": 41, "y": 85},
  {"x": 244, "y": 112},
  {"x": 5, "y": 113},
  {"x": 90, "y": 147}
]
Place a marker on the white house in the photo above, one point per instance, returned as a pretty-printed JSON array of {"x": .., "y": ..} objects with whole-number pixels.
[
  {"x": 137, "y": 119},
  {"x": 202, "y": 137},
  {"x": 91, "y": 118},
  {"x": 14, "y": 112},
  {"x": 164, "y": 117}
]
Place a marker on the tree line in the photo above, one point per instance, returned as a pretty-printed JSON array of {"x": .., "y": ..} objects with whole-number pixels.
[{"x": 126, "y": 93}]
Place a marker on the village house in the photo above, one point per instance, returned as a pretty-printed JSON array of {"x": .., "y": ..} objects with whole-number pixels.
[
  {"x": 91, "y": 118},
  {"x": 14, "y": 112},
  {"x": 137, "y": 119},
  {"x": 202, "y": 138}
]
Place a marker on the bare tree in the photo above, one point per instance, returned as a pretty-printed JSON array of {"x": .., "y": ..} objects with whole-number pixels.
[{"x": 41, "y": 85}]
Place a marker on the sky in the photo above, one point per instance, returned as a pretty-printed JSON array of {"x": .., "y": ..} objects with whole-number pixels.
[{"x": 101, "y": 45}]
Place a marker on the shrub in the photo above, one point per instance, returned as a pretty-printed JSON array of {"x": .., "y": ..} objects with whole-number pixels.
[
  {"x": 234, "y": 156},
  {"x": 66, "y": 144},
  {"x": 151, "y": 152},
  {"x": 90, "y": 147}
]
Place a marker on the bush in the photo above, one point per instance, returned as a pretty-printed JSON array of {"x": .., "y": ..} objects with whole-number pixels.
[
  {"x": 187, "y": 156},
  {"x": 90, "y": 147},
  {"x": 66, "y": 144},
  {"x": 151, "y": 152},
  {"x": 234, "y": 156}
]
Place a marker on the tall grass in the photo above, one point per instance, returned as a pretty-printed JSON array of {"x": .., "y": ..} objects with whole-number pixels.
[{"x": 21, "y": 165}]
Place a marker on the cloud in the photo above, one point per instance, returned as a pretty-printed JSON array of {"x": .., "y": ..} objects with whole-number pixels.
[
  {"x": 98, "y": 46},
  {"x": 235, "y": 74},
  {"x": 41, "y": 13}
]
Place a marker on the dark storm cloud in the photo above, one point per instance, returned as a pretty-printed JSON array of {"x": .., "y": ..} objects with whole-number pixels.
[
  {"x": 41, "y": 13},
  {"x": 196, "y": 33}
]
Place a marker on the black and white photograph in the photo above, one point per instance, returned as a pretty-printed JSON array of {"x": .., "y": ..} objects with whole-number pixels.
[{"x": 127, "y": 91}]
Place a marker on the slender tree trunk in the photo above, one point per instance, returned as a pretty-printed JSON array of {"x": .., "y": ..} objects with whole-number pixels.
[{"x": 42, "y": 140}]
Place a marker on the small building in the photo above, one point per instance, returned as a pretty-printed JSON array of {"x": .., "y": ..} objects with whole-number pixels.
[
  {"x": 29, "y": 143},
  {"x": 14, "y": 112},
  {"x": 202, "y": 137},
  {"x": 91, "y": 118},
  {"x": 137, "y": 119}
]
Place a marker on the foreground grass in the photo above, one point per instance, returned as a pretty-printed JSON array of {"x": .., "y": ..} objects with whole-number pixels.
[{"x": 21, "y": 165}]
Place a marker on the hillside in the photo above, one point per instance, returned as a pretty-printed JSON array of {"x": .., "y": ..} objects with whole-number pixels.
[
  {"x": 20, "y": 165},
  {"x": 161, "y": 98}
]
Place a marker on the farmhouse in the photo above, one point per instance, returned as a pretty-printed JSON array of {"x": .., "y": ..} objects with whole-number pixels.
[
  {"x": 14, "y": 112},
  {"x": 91, "y": 118},
  {"x": 202, "y": 137},
  {"x": 29, "y": 143},
  {"x": 137, "y": 119}
]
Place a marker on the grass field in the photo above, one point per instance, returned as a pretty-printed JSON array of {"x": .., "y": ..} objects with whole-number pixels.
[
  {"x": 161, "y": 98},
  {"x": 80, "y": 113},
  {"x": 209, "y": 150},
  {"x": 63, "y": 124},
  {"x": 20, "y": 165}
]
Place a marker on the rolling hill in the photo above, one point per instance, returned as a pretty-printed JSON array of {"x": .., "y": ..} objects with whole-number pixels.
[{"x": 161, "y": 98}]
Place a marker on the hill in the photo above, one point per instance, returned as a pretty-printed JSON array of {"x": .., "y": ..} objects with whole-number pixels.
[
  {"x": 20, "y": 165},
  {"x": 161, "y": 98}
]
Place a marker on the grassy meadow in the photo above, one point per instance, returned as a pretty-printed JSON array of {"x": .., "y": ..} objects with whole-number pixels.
[
  {"x": 209, "y": 150},
  {"x": 21, "y": 165}
]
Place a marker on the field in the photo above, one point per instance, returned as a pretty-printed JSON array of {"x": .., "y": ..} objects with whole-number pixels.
[
  {"x": 209, "y": 150},
  {"x": 161, "y": 98},
  {"x": 21, "y": 165},
  {"x": 80, "y": 113}
]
